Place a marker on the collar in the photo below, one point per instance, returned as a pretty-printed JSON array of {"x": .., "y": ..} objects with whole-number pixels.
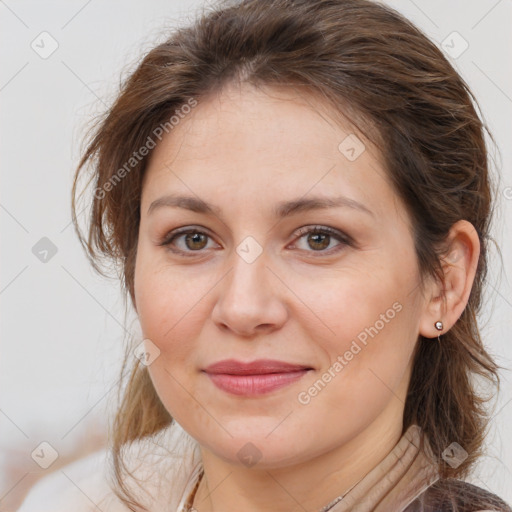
[{"x": 401, "y": 477}]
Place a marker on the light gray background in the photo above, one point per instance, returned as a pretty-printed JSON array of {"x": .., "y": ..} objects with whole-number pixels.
[{"x": 61, "y": 324}]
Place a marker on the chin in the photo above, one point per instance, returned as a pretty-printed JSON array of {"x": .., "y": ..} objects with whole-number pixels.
[{"x": 262, "y": 446}]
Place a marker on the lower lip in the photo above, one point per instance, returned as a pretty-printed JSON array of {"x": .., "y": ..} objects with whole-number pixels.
[{"x": 248, "y": 385}]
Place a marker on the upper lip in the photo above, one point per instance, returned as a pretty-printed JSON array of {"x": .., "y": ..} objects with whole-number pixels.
[{"x": 257, "y": 367}]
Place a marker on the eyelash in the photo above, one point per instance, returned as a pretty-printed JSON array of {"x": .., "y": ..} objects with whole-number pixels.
[{"x": 344, "y": 239}]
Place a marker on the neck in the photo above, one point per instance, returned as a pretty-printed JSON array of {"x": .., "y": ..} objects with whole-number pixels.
[{"x": 310, "y": 485}]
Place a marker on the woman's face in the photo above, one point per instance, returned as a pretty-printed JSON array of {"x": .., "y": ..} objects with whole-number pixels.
[{"x": 249, "y": 282}]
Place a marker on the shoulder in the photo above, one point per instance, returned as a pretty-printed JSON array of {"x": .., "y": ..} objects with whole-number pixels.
[
  {"x": 160, "y": 468},
  {"x": 80, "y": 486},
  {"x": 452, "y": 495}
]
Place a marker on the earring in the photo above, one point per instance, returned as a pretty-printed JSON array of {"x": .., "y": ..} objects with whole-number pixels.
[{"x": 439, "y": 327}]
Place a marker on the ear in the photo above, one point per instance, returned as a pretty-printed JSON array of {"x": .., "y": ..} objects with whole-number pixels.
[{"x": 446, "y": 301}]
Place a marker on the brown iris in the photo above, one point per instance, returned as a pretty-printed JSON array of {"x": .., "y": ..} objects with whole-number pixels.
[
  {"x": 323, "y": 244},
  {"x": 196, "y": 238}
]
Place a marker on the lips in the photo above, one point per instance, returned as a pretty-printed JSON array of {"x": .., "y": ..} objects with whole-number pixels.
[
  {"x": 258, "y": 367},
  {"x": 254, "y": 378}
]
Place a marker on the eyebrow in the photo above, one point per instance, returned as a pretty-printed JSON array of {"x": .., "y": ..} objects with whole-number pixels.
[{"x": 281, "y": 210}]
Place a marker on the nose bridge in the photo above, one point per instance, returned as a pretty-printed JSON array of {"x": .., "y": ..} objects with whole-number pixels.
[
  {"x": 248, "y": 259},
  {"x": 247, "y": 296},
  {"x": 248, "y": 278}
]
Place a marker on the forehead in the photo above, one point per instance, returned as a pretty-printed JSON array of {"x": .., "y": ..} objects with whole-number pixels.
[
  {"x": 268, "y": 121},
  {"x": 265, "y": 144}
]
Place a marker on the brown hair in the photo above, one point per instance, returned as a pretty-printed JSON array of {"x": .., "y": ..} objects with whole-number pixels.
[{"x": 366, "y": 60}]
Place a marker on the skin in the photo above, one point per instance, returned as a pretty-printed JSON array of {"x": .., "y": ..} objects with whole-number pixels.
[{"x": 245, "y": 150}]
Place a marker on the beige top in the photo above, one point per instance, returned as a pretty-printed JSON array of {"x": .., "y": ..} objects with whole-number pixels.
[
  {"x": 169, "y": 465},
  {"x": 404, "y": 474}
]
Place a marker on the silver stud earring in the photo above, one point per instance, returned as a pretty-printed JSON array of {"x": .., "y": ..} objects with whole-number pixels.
[{"x": 439, "y": 327}]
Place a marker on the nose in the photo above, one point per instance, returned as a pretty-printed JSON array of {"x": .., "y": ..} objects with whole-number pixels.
[{"x": 251, "y": 299}]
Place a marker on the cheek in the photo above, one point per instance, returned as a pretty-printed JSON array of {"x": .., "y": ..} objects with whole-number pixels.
[
  {"x": 367, "y": 360},
  {"x": 349, "y": 305},
  {"x": 366, "y": 323},
  {"x": 171, "y": 309}
]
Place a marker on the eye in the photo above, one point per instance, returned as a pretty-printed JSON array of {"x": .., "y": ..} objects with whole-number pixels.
[
  {"x": 320, "y": 237},
  {"x": 193, "y": 240}
]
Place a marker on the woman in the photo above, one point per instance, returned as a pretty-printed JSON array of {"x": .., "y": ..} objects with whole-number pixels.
[{"x": 298, "y": 195}]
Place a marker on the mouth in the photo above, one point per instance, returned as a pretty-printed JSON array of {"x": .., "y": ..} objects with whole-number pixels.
[{"x": 256, "y": 377}]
